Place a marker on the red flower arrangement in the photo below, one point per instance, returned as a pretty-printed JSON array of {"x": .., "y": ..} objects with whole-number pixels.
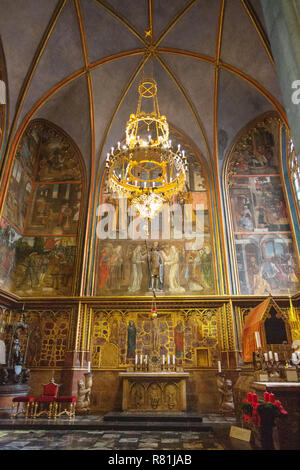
[{"x": 254, "y": 410}]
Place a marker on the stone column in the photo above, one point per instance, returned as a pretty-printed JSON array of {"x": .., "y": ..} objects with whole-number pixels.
[
  {"x": 77, "y": 354},
  {"x": 282, "y": 19}
]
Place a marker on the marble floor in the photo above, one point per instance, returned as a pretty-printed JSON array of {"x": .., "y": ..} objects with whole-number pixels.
[
  {"x": 105, "y": 440},
  {"x": 91, "y": 433}
]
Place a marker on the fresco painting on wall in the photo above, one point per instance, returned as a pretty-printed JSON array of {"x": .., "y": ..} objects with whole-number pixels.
[
  {"x": 126, "y": 267},
  {"x": 266, "y": 259},
  {"x": 8, "y": 241},
  {"x": 44, "y": 265},
  {"x": 43, "y": 202},
  {"x": 17, "y": 198},
  {"x": 55, "y": 209}
]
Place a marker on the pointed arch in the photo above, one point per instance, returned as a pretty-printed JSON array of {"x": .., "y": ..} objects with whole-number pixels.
[
  {"x": 42, "y": 216},
  {"x": 259, "y": 227}
]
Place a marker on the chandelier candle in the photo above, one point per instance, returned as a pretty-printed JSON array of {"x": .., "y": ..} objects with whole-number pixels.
[{"x": 147, "y": 171}]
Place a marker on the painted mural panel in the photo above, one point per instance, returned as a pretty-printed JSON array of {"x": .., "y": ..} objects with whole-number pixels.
[
  {"x": 55, "y": 209},
  {"x": 43, "y": 206},
  {"x": 163, "y": 259},
  {"x": 17, "y": 198},
  {"x": 44, "y": 266},
  {"x": 9, "y": 237},
  {"x": 265, "y": 255}
]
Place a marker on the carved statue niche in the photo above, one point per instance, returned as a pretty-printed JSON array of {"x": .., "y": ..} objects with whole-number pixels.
[
  {"x": 170, "y": 395},
  {"x": 154, "y": 396},
  {"x": 137, "y": 396}
]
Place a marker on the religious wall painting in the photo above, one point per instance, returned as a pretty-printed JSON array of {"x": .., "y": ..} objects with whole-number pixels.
[
  {"x": 44, "y": 266},
  {"x": 58, "y": 158},
  {"x": 44, "y": 203},
  {"x": 256, "y": 151},
  {"x": 128, "y": 267},
  {"x": 265, "y": 257},
  {"x": 258, "y": 205},
  {"x": 55, "y": 209},
  {"x": 267, "y": 264},
  {"x": 9, "y": 237},
  {"x": 131, "y": 339},
  {"x": 165, "y": 261},
  {"x": 179, "y": 340},
  {"x": 17, "y": 198}
]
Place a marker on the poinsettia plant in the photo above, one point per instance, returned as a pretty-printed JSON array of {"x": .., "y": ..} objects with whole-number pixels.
[{"x": 258, "y": 411}]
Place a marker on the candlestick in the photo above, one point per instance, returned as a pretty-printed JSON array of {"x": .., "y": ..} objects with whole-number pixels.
[
  {"x": 257, "y": 339},
  {"x": 163, "y": 359},
  {"x": 89, "y": 366},
  {"x": 174, "y": 359},
  {"x": 270, "y": 355},
  {"x": 141, "y": 359},
  {"x": 219, "y": 367},
  {"x": 276, "y": 357},
  {"x": 266, "y": 357},
  {"x": 136, "y": 359},
  {"x": 168, "y": 359}
]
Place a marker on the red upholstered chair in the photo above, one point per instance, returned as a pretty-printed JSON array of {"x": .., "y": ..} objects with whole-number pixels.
[
  {"x": 26, "y": 409},
  {"x": 49, "y": 395},
  {"x": 69, "y": 404}
]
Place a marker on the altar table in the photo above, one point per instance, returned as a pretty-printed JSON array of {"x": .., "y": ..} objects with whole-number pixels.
[{"x": 154, "y": 391}]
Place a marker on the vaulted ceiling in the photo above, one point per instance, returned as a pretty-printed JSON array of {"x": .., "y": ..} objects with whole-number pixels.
[{"x": 77, "y": 63}]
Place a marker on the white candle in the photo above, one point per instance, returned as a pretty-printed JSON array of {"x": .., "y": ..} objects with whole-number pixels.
[
  {"x": 146, "y": 359},
  {"x": 168, "y": 359},
  {"x": 270, "y": 355},
  {"x": 219, "y": 366},
  {"x": 276, "y": 357},
  {"x": 163, "y": 359},
  {"x": 174, "y": 359},
  {"x": 89, "y": 366},
  {"x": 141, "y": 358},
  {"x": 136, "y": 358},
  {"x": 266, "y": 357},
  {"x": 257, "y": 339},
  {"x": 294, "y": 357}
]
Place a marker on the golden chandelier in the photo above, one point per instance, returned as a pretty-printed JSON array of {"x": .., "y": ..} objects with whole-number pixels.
[{"x": 146, "y": 170}]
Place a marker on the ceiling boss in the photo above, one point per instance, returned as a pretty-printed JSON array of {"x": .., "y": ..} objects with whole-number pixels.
[{"x": 146, "y": 169}]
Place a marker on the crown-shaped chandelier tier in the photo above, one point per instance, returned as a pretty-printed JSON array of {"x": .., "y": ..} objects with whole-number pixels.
[{"x": 146, "y": 169}]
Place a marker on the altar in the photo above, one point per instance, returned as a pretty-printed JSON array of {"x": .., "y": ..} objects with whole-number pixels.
[{"x": 154, "y": 391}]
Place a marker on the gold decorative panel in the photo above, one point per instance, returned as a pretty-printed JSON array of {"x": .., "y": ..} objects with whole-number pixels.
[
  {"x": 48, "y": 337},
  {"x": 131, "y": 333}
]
